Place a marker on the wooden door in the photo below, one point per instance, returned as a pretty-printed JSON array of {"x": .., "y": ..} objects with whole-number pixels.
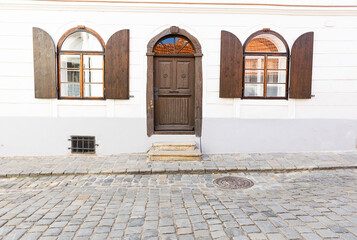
[{"x": 174, "y": 84}]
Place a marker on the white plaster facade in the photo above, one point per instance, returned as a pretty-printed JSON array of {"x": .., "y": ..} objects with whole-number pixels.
[{"x": 328, "y": 121}]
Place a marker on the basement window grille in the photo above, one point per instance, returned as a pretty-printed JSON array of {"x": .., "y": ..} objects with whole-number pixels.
[{"x": 82, "y": 144}]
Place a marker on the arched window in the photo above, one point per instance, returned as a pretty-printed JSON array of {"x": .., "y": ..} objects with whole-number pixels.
[
  {"x": 174, "y": 45},
  {"x": 265, "y": 65},
  {"x": 81, "y": 64}
]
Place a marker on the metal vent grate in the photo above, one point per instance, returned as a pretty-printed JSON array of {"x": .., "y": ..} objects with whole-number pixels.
[{"x": 82, "y": 144}]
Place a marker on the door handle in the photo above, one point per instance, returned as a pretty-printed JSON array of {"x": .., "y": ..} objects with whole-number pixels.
[{"x": 173, "y": 91}]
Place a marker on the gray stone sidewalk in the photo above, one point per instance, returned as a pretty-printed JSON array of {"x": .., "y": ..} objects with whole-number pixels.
[{"x": 138, "y": 164}]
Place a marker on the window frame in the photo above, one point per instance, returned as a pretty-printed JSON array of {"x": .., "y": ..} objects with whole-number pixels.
[
  {"x": 266, "y": 55},
  {"x": 81, "y": 67}
]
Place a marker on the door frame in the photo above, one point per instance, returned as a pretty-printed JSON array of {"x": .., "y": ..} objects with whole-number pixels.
[{"x": 150, "y": 79}]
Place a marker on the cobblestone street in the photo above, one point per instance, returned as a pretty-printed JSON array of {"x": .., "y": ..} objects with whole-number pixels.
[{"x": 295, "y": 205}]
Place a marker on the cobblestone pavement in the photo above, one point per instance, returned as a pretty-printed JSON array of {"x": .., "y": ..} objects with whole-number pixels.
[
  {"x": 295, "y": 205},
  {"x": 138, "y": 164}
]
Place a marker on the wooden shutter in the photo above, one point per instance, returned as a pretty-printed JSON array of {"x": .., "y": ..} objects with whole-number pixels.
[
  {"x": 44, "y": 60},
  {"x": 231, "y": 77},
  {"x": 301, "y": 66},
  {"x": 117, "y": 66}
]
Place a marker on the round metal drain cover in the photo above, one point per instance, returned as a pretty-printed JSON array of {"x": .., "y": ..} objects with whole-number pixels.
[{"x": 233, "y": 182}]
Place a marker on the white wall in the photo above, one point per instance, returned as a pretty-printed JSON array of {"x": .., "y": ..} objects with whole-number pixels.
[{"x": 334, "y": 67}]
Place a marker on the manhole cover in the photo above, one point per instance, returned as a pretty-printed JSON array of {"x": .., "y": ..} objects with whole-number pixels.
[{"x": 233, "y": 183}]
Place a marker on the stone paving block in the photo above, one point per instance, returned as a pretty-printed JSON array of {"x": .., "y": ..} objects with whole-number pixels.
[
  {"x": 311, "y": 236},
  {"x": 251, "y": 229},
  {"x": 52, "y": 232},
  {"x": 275, "y": 236},
  {"x": 290, "y": 233},
  {"x": 32, "y": 236},
  {"x": 266, "y": 226}
]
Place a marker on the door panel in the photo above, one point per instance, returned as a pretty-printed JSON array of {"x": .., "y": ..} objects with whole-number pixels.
[
  {"x": 174, "y": 94},
  {"x": 182, "y": 74},
  {"x": 165, "y": 74}
]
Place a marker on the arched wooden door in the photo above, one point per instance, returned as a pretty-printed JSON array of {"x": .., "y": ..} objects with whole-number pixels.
[
  {"x": 174, "y": 85},
  {"x": 174, "y": 88}
]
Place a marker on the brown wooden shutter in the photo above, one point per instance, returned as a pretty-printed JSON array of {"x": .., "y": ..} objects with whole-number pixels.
[
  {"x": 231, "y": 78},
  {"x": 117, "y": 66},
  {"x": 44, "y": 60},
  {"x": 301, "y": 66}
]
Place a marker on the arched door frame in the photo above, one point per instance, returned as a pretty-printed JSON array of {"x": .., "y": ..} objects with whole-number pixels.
[{"x": 150, "y": 78}]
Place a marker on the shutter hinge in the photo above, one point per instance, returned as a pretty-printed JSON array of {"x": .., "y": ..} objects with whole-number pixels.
[{"x": 312, "y": 95}]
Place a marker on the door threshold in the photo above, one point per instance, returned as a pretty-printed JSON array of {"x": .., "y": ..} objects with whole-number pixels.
[{"x": 175, "y": 132}]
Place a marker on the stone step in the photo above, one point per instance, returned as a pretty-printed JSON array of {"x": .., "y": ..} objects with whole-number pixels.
[
  {"x": 183, "y": 151},
  {"x": 174, "y": 146}
]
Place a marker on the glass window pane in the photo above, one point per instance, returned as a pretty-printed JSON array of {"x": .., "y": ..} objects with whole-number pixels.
[
  {"x": 276, "y": 90},
  {"x": 93, "y": 61},
  {"x": 188, "y": 49},
  {"x": 70, "y": 61},
  {"x": 254, "y": 76},
  {"x": 160, "y": 48},
  {"x": 254, "y": 62},
  {"x": 93, "y": 76},
  {"x": 254, "y": 90},
  {"x": 275, "y": 62},
  {"x": 81, "y": 41},
  {"x": 70, "y": 90},
  {"x": 69, "y": 75},
  {"x": 276, "y": 76},
  {"x": 93, "y": 90},
  {"x": 265, "y": 43}
]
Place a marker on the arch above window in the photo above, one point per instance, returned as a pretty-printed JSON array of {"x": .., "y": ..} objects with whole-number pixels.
[
  {"x": 174, "y": 44},
  {"x": 81, "y": 39},
  {"x": 266, "y": 41}
]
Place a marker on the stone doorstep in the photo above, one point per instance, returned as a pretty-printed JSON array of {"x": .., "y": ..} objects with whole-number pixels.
[
  {"x": 174, "y": 146},
  {"x": 179, "y": 151}
]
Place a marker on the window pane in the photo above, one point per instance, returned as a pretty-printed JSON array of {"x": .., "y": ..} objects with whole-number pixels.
[
  {"x": 276, "y": 62},
  {"x": 276, "y": 76},
  {"x": 71, "y": 90},
  {"x": 93, "y": 76},
  {"x": 254, "y": 90},
  {"x": 276, "y": 90},
  {"x": 188, "y": 49},
  {"x": 265, "y": 43},
  {"x": 81, "y": 41},
  {"x": 254, "y": 62},
  {"x": 69, "y": 75},
  {"x": 70, "y": 61},
  {"x": 92, "y": 61},
  {"x": 254, "y": 76},
  {"x": 93, "y": 90}
]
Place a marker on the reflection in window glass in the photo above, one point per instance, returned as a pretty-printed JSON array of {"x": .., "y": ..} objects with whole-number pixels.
[
  {"x": 276, "y": 76},
  {"x": 93, "y": 90},
  {"x": 93, "y": 76},
  {"x": 92, "y": 61},
  {"x": 275, "y": 62},
  {"x": 174, "y": 45},
  {"x": 254, "y": 90},
  {"x": 70, "y": 90},
  {"x": 276, "y": 90},
  {"x": 81, "y": 41},
  {"x": 265, "y": 43},
  {"x": 70, "y": 61},
  {"x": 69, "y": 75},
  {"x": 254, "y": 76},
  {"x": 254, "y": 62}
]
